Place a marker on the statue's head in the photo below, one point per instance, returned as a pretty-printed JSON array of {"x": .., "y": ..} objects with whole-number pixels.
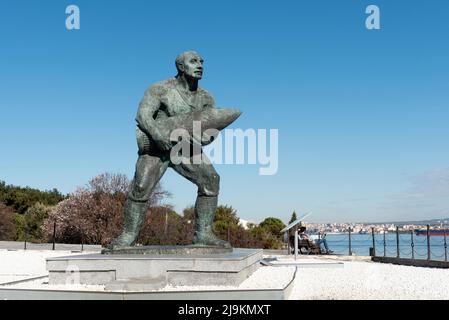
[{"x": 190, "y": 64}]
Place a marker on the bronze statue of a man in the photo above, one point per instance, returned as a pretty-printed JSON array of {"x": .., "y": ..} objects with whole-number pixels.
[{"x": 170, "y": 98}]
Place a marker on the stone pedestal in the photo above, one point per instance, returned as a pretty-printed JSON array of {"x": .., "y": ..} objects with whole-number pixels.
[
  {"x": 143, "y": 272},
  {"x": 158, "y": 250}
]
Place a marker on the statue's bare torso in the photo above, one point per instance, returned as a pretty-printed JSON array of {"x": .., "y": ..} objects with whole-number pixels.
[{"x": 175, "y": 101}]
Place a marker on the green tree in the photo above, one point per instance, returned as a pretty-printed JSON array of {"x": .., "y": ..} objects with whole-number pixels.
[
  {"x": 226, "y": 214},
  {"x": 226, "y": 226},
  {"x": 20, "y": 199},
  {"x": 265, "y": 239},
  {"x": 273, "y": 226},
  {"x": 189, "y": 214},
  {"x": 293, "y": 218},
  {"x": 226, "y": 221},
  {"x": 33, "y": 220},
  {"x": 19, "y": 223}
]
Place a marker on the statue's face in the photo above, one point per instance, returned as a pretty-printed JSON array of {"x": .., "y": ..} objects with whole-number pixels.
[{"x": 193, "y": 66}]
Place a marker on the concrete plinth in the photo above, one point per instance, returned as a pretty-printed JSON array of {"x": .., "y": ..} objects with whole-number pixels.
[
  {"x": 180, "y": 250},
  {"x": 154, "y": 271}
]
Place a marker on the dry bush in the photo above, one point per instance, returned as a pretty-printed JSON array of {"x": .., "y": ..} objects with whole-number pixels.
[
  {"x": 163, "y": 226},
  {"x": 94, "y": 213},
  {"x": 7, "y": 226}
]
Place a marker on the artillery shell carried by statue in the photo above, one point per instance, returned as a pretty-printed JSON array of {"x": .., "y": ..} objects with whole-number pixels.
[{"x": 204, "y": 122}]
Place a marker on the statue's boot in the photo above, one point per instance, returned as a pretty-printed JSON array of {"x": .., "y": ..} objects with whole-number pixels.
[
  {"x": 204, "y": 217},
  {"x": 134, "y": 214}
]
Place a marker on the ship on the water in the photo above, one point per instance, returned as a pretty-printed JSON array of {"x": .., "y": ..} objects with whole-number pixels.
[{"x": 432, "y": 232}]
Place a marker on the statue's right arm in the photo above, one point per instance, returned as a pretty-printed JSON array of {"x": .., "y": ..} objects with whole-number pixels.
[{"x": 148, "y": 107}]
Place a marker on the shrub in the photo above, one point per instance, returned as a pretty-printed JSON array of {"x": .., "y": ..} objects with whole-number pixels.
[
  {"x": 29, "y": 225},
  {"x": 273, "y": 226},
  {"x": 94, "y": 213},
  {"x": 163, "y": 226},
  {"x": 20, "y": 199},
  {"x": 7, "y": 226}
]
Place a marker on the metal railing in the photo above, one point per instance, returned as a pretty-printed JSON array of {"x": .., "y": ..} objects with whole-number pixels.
[
  {"x": 433, "y": 249},
  {"x": 53, "y": 239},
  {"x": 400, "y": 244}
]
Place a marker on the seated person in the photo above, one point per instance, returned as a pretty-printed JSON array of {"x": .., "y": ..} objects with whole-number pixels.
[
  {"x": 303, "y": 235},
  {"x": 320, "y": 239}
]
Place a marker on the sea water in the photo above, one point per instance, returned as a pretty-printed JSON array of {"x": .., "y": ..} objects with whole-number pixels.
[{"x": 361, "y": 244}]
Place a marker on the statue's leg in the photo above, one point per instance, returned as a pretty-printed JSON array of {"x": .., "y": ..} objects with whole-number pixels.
[
  {"x": 149, "y": 170},
  {"x": 208, "y": 182}
]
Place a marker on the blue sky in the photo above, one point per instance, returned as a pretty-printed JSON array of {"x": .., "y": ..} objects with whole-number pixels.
[{"x": 362, "y": 114}]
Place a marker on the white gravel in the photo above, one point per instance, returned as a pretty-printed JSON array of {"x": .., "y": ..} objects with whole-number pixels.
[
  {"x": 371, "y": 281},
  {"x": 20, "y": 264},
  {"x": 356, "y": 280},
  {"x": 42, "y": 284}
]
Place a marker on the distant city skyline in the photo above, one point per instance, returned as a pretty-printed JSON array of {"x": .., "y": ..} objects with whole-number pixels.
[{"x": 361, "y": 114}]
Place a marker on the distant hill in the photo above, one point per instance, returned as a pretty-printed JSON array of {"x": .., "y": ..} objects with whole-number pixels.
[
  {"x": 20, "y": 199},
  {"x": 431, "y": 222}
]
